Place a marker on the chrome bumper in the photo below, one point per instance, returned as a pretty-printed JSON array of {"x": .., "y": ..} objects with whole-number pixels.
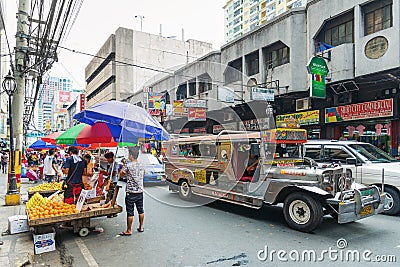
[{"x": 358, "y": 204}]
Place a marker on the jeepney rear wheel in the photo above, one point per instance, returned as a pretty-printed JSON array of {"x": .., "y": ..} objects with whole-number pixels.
[
  {"x": 392, "y": 201},
  {"x": 302, "y": 212},
  {"x": 185, "y": 191}
]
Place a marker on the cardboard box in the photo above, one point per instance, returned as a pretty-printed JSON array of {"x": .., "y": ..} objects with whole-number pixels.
[
  {"x": 18, "y": 224},
  {"x": 44, "y": 243}
]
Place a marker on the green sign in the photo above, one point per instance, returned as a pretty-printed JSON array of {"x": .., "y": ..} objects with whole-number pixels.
[{"x": 318, "y": 69}]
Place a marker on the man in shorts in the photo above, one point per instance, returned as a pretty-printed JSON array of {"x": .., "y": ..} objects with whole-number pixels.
[{"x": 134, "y": 190}]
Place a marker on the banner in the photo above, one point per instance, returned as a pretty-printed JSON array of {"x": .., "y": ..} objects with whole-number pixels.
[
  {"x": 156, "y": 104},
  {"x": 366, "y": 110},
  {"x": 178, "y": 108},
  {"x": 262, "y": 94},
  {"x": 197, "y": 114},
  {"x": 318, "y": 69},
  {"x": 195, "y": 103},
  {"x": 303, "y": 118}
]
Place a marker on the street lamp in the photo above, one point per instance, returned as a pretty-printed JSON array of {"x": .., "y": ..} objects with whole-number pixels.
[
  {"x": 10, "y": 87},
  {"x": 141, "y": 21}
]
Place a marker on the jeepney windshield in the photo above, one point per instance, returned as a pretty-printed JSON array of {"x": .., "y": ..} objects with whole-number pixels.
[{"x": 372, "y": 153}]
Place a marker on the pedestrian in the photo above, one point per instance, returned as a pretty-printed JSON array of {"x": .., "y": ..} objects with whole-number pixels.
[
  {"x": 134, "y": 190},
  {"x": 111, "y": 173},
  {"x": 89, "y": 172},
  {"x": 50, "y": 167},
  {"x": 74, "y": 167},
  {"x": 4, "y": 162}
]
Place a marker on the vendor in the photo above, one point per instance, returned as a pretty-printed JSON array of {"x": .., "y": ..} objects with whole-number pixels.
[
  {"x": 74, "y": 168},
  {"x": 111, "y": 173}
]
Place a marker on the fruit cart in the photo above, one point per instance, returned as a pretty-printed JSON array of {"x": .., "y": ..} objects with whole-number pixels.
[
  {"x": 46, "y": 189},
  {"x": 80, "y": 222}
]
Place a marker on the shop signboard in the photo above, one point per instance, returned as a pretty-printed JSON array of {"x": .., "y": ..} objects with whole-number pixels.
[
  {"x": 197, "y": 114},
  {"x": 228, "y": 126},
  {"x": 318, "y": 69},
  {"x": 195, "y": 103},
  {"x": 303, "y": 118},
  {"x": 262, "y": 94},
  {"x": 169, "y": 110},
  {"x": 366, "y": 110},
  {"x": 156, "y": 104},
  {"x": 178, "y": 108},
  {"x": 82, "y": 102}
]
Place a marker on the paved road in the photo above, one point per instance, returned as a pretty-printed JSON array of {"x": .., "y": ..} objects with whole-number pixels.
[{"x": 180, "y": 233}]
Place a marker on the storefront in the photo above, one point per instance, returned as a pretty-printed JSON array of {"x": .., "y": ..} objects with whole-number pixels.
[
  {"x": 372, "y": 122},
  {"x": 308, "y": 120}
]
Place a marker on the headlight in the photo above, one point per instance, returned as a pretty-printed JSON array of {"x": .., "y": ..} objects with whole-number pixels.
[{"x": 326, "y": 178}]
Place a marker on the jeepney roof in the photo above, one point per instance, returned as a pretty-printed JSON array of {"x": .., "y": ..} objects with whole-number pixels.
[{"x": 211, "y": 137}]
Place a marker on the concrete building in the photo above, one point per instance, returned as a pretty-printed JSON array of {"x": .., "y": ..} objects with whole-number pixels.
[
  {"x": 128, "y": 59},
  {"x": 242, "y": 16},
  {"x": 55, "y": 95},
  {"x": 358, "y": 40}
]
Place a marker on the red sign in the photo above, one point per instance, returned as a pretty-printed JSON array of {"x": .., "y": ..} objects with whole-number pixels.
[
  {"x": 64, "y": 97},
  {"x": 199, "y": 130},
  {"x": 82, "y": 102},
  {"x": 366, "y": 110},
  {"x": 197, "y": 114}
]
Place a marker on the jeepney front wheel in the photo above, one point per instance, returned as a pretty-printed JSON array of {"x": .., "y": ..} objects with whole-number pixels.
[
  {"x": 392, "y": 202},
  {"x": 185, "y": 191},
  {"x": 302, "y": 212}
]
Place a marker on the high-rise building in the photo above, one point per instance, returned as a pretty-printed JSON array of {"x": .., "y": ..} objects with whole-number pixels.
[
  {"x": 242, "y": 16},
  {"x": 55, "y": 94}
]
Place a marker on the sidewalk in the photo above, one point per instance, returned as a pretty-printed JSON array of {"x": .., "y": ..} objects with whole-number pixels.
[{"x": 17, "y": 249}]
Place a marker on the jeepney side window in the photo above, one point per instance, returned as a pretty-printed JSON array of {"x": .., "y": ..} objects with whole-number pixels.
[{"x": 207, "y": 150}]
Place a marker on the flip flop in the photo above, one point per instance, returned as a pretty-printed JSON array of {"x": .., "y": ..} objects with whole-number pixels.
[
  {"x": 140, "y": 231},
  {"x": 124, "y": 234}
]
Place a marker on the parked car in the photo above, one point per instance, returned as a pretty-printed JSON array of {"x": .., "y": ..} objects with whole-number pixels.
[
  {"x": 364, "y": 162},
  {"x": 154, "y": 168}
]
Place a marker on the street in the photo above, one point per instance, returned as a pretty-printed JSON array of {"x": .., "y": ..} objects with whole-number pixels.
[{"x": 180, "y": 233}]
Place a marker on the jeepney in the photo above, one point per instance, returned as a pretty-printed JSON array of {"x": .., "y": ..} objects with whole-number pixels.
[{"x": 215, "y": 166}]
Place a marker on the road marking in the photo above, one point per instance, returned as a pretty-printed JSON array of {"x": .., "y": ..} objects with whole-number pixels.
[
  {"x": 163, "y": 187},
  {"x": 86, "y": 253}
]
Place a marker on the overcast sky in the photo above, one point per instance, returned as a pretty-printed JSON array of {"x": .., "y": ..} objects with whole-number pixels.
[{"x": 97, "y": 20}]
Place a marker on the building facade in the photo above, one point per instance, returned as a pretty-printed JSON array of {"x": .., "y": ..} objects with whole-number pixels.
[
  {"x": 357, "y": 40},
  {"x": 242, "y": 16},
  {"x": 129, "y": 59},
  {"x": 55, "y": 95}
]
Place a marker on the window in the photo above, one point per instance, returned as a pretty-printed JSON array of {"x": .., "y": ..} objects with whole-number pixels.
[
  {"x": 192, "y": 88},
  {"x": 278, "y": 57},
  {"x": 336, "y": 155},
  {"x": 340, "y": 34},
  {"x": 313, "y": 152},
  {"x": 252, "y": 63},
  {"x": 181, "y": 92},
  {"x": 233, "y": 72},
  {"x": 378, "y": 16}
]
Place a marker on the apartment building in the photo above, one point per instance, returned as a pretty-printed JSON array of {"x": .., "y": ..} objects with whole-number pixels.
[
  {"x": 242, "y": 16},
  {"x": 358, "y": 40}
]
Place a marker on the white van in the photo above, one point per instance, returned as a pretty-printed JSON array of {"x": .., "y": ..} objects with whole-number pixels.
[{"x": 364, "y": 162}]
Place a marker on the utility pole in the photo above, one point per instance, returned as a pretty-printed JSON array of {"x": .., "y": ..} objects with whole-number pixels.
[
  {"x": 21, "y": 61},
  {"x": 141, "y": 22}
]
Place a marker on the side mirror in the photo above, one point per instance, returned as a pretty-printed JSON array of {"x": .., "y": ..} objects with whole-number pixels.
[{"x": 352, "y": 161}]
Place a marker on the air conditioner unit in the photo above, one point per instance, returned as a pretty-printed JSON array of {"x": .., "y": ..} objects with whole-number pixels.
[
  {"x": 228, "y": 116},
  {"x": 303, "y": 104}
]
